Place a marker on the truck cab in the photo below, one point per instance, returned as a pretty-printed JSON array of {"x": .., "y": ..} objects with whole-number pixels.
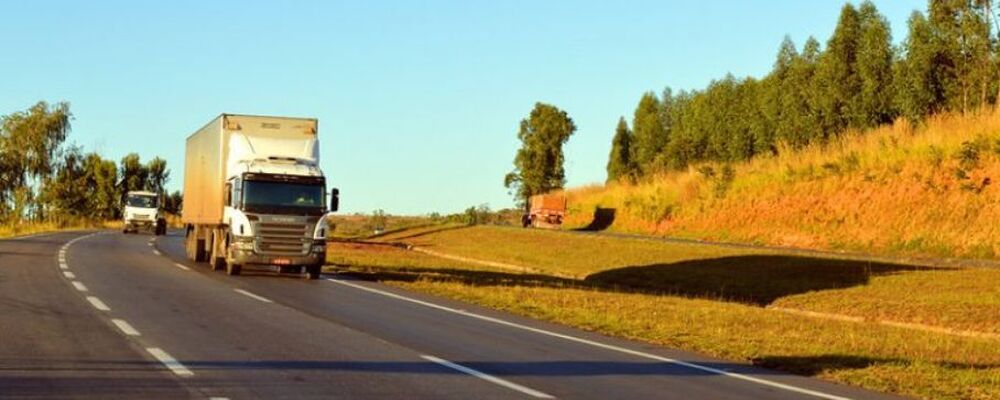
[
  {"x": 142, "y": 211},
  {"x": 276, "y": 215}
]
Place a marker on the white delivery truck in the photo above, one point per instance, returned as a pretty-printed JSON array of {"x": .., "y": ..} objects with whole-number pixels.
[
  {"x": 254, "y": 195},
  {"x": 142, "y": 211}
]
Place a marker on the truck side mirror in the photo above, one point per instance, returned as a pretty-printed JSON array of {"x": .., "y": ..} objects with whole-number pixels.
[{"x": 334, "y": 199}]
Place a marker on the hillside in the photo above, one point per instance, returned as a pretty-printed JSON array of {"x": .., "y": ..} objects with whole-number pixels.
[{"x": 899, "y": 189}]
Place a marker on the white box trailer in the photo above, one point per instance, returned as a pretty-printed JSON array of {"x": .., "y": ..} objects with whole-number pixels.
[{"x": 254, "y": 194}]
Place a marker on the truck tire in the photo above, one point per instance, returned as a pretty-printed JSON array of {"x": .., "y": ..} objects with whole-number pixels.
[
  {"x": 313, "y": 271},
  {"x": 233, "y": 269},
  {"x": 199, "y": 250},
  {"x": 216, "y": 260}
]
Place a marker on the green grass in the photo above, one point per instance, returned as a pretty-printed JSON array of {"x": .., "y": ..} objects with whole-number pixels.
[
  {"x": 561, "y": 252},
  {"x": 711, "y": 299}
]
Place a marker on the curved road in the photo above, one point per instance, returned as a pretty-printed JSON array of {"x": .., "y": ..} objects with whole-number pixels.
[{"x": 106, "y": 315}]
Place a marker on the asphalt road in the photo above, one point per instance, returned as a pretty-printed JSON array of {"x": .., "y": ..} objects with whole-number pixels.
[{"x": 106, "y": 315}]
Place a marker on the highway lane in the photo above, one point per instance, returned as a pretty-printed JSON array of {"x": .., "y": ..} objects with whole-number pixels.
[
  {"x": 52, "y": 343},
  {"x": 266, "y": 336}
]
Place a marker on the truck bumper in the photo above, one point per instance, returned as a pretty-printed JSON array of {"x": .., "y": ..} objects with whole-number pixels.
[
  {"x": 133, "y": 224},
  {"x": 245, "y": 257}
]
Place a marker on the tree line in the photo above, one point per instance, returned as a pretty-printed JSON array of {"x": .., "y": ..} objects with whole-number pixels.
[
  {"x": 44, "y": 179},
  {"x": 948, "y": 62}
]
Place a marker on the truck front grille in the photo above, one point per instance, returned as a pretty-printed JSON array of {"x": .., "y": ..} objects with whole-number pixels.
[{"x": 290, "y": 239}]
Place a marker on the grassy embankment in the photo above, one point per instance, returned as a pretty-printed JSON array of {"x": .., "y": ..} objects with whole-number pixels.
[
  {"x": 713, "y": 300},
  {"x": 363, "y": 226},
  {"x": 30, "y": 228},
  {"x": 926, "y": 190}
]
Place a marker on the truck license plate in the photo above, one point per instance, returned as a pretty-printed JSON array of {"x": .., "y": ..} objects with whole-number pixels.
[{"x": 282, "y": 261}]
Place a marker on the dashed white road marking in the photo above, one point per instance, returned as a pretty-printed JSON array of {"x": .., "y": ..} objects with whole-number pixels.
[
  {"x": 69, "y": 275},
  {"x": 63, "y": 265},
  {"x": 489, "y": 378},
  {"x": 157, "y": 252},
  {"x": 619, "y": 349},
  {"x": 79, "y": 286},
  {"x": 98, "y": 304},
  {"x": 150, "y": 244},
  {"x": 171, "y": 363},
  {"x": 254, "y": 296},
  {"x": 125, "y": 327},
  {"x": 182, "y": 266}
]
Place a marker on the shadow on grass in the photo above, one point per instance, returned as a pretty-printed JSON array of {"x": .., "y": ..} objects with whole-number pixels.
[
  {"x": 753, "y": 279},
  {"x": 603, "y": 218},
  {"x": 815, "y": 365}
]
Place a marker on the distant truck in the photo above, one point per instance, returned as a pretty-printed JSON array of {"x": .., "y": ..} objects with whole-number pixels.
[
  {"x": 142, "y": 210},
  {"x": 254, "y": 195},
  {"x": 545, "y": 211}
]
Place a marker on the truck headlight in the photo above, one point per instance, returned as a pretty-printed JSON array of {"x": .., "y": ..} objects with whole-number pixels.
[{"x": 243, "y": 242}]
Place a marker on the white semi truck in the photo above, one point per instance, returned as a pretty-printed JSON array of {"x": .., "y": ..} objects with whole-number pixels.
[
  {"x": 142, "y": 210},
  {"x": 254, "y": 195}
]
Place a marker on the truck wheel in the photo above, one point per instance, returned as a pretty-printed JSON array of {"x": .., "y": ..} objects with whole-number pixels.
[
  {"x": 233, "y": 269},
  {"x": 313, "y": 271},
  {"x": 199, "y": 250},
  {"x": 217, "y": 261}
]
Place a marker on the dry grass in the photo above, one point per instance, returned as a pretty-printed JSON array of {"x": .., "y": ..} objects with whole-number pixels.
[
  {"x": 898, "y": 189},
  {"x": 30, "y": 228},
  {"x": 362, "y": 226}
]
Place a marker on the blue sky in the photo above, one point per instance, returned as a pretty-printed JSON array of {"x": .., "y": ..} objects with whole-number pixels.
[{"x": 418, "y": 101}]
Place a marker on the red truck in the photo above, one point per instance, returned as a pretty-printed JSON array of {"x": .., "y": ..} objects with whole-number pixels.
[{"x": 545, "y": 211}]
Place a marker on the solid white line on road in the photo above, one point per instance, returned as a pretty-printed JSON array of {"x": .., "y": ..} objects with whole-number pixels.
[
  {"x": 69, "y": 275},
  {"x": 182, "y": 266},
  {"x": 175, "y": 366},
  {"x": 98, "y": 304},
  {"x": 246, "y": 293},
  {"x": 125, "y": 327},
  {"x": 490, "y": 378},
  {"x": 619, "y": 349},
  {"x": 157, "y": 252},
  {"x": 79, "y": 286}
]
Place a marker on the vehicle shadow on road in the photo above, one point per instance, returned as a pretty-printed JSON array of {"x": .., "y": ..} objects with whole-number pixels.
[
  {"x": 498, "y": 368},
  {"x": 751, "y": 279}
]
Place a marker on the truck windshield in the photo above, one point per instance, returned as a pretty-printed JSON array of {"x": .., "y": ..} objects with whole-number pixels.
[
  {"x": 142, "y": 201},
  {"x": 268, "y": 196}
]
